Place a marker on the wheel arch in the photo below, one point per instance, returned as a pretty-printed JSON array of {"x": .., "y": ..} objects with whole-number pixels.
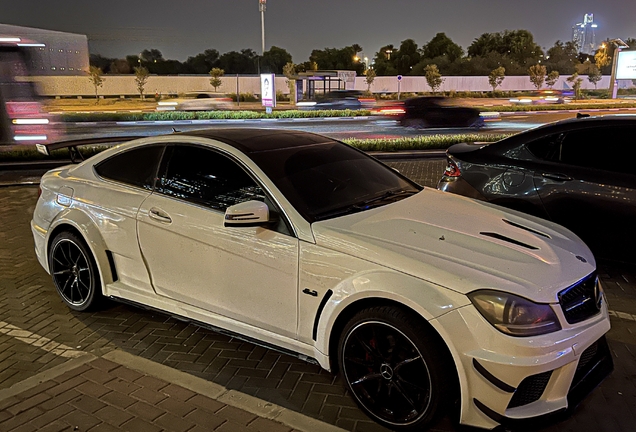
[{"x": 80, "y": 224}]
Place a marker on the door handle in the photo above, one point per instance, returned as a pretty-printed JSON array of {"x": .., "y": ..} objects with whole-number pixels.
[
  {"x": 159, "y": 215},
  {"x": 557, "y": 176}
]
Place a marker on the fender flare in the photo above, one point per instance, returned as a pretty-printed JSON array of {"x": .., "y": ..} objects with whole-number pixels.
[{"x": 86, "y": 227}]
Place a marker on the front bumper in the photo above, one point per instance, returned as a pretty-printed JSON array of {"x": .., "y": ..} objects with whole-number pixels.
[{"x": 510, "y": 380}]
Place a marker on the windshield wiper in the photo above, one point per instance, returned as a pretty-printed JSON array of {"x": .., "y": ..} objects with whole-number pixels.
[
  {"x": 366, "y": 204},
  {"x": 388, "y": 195}
]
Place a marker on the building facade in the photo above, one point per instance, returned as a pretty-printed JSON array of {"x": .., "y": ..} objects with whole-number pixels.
[{"x": 52, "y": 53}]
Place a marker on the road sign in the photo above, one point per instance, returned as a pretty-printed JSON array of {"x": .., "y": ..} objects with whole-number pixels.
[{"x": 399, "y": 77}]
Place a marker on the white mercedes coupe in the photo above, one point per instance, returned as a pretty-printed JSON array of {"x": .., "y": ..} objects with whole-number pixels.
[{"x": 425, "y": 301}]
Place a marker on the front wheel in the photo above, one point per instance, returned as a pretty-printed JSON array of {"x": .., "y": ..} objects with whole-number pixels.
[
  {"x": 396, "y": 368},
  {"x": 74, "y": 272}
]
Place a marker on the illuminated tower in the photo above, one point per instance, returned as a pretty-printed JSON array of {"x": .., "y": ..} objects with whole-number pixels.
[{"x": 584, "y": 34}]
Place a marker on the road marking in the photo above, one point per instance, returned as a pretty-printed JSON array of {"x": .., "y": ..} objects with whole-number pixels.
[
  {"x": 622, "y": 315},
  {"x": 38, "y": 341}
]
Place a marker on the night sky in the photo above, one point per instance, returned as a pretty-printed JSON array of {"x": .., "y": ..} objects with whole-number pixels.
[{"x": 184, "y": 28}]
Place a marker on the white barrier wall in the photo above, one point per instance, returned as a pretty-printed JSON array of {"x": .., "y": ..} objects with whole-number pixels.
[{"x": 124, "y": 85}]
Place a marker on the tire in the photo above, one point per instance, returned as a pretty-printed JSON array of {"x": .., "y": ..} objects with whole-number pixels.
[
  {"x": 396, "y": 368},
  {"x": 74, "y": 272}
]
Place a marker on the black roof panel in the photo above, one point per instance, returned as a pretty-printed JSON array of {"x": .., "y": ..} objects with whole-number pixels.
[{"x": 252, "y": 140}]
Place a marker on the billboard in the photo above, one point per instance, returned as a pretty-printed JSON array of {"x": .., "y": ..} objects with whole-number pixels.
[
  {"x": 268, "y": 91},
  {"x": 626, "y": 65}
]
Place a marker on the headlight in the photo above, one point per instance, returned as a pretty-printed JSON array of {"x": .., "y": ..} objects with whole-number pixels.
[{"x": 514, "y": 315}]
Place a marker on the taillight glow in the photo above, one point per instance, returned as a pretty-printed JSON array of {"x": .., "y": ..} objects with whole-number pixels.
[
  {"x": 30, "y": 121},
  {"x": 452, "y": 170}
]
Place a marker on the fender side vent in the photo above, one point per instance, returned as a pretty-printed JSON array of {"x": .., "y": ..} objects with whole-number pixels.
[
  {"x": 322, "y": 305},
  {"x": 509, "y": 240},
  {"x": 111, "y": 263},
  {"x": 516, "y": 225}
]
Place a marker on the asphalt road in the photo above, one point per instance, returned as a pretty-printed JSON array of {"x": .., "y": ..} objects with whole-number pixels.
[{"x": 336, "y": 128}]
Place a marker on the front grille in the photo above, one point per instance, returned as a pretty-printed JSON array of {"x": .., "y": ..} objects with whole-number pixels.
[
  {"x": 530, "y": 389},
  {"x": 582, "y": 300}
]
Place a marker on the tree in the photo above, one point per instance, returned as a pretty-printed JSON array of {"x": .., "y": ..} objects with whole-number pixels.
[
  {"x": 576, "y": 84},
  {"x": 442, "y": 45},
  {"x": 243, "y": 62},
  {"x": 289, "y": 70},
  {"x": 496, "y": 77},
  {"x": 552, "y": 78},
  {"x": 338, "y": 58},
  {"x": 537, "y": 75},
  {"x": 383, "y": 62},
  {"x": 95, "y": 77},
  {"x": 151, "y": 56},
  {"x": 369, "y": 79},
  {"x": 119, "y": 66},
  {"x": 433, "y": 77},
  {"x": 203, "y": 62},
  {"x": 406, "y": 56},
  {"x": 216, "y": 75},
  {"x": 141, "y": 77},
  {"x": 602, "y": 57},
  {"x": 562, "y": 57},
  {"x": 594, "y": 76},
  {"x": 101, "y": 62},
  {"x": 275, "y": 59}
]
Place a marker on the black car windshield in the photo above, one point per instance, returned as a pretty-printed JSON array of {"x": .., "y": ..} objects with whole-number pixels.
[{"x": 332, "y": 179}]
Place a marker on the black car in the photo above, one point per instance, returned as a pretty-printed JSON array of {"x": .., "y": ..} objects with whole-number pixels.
[
  {"x": 336, "y": 100},
  {"x": 432, "y": 111},
  {"x": 579, "y": 173}
]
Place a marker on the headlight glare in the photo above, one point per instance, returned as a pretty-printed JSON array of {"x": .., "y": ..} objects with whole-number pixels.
[{"x": 514, "y": 315}]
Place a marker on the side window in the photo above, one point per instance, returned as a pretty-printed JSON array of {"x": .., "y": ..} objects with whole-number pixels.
[
  {"x": 136, "y": 167},
  {"x": 547, "y": 148},
  {"x": 205, "y": 177},
  {"x": 600, "y": 148}
]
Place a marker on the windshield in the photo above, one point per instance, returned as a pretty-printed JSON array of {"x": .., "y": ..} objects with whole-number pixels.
[{"x": 332, "y": 179}]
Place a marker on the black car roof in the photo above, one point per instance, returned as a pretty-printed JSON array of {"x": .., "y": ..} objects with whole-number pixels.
[{"x": 252, "y": 140}]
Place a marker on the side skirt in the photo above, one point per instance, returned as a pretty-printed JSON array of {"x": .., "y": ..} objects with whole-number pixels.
[{"x": 220, "y": 330}]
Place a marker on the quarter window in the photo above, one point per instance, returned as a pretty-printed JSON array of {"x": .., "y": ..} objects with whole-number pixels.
[
  {"x": 205, "y": 177},
  {"x": 136, "y": 167}
]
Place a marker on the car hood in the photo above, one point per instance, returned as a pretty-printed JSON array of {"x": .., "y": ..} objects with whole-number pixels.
[{"x": 463, "y": 245}]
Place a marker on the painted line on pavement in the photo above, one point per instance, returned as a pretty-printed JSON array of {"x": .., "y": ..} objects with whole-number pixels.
[
  {"x": 622, "y": 315},
  {"x": 38, "y": 341}
]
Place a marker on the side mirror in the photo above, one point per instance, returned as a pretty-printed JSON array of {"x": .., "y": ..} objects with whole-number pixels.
[{"x": 248, "y": 213}]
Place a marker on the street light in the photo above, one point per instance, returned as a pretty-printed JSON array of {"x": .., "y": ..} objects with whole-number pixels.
[
  {"x": 388, "y": 54},
  {"x": 262, "y": 5},
  {"x": 613, "y": 89}
]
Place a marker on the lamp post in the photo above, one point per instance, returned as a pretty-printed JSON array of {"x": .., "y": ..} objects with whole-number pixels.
[
  {"x": 388, "y": 54},
  {"x": 261, "y": 7},
  {"x": 613, "y": 89}
]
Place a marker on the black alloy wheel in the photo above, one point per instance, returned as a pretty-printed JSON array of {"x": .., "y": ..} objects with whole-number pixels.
[
  {"x": 74, "y": 272},
  {"x": 394, "y": 368}
]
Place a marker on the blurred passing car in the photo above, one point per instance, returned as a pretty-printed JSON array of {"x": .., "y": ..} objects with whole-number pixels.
[
  {"x": 543, "y": 97},
  {"x": 197, "y": 101},
  {"x": 339, "y": 100},
  {"x": 578, "y": 173},
  {"x": 419, "y": 298},
  {"x": 431, "y": 111}
]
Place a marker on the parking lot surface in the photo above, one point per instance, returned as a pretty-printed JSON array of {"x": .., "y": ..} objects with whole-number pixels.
[{"x": 125, "y": 368}]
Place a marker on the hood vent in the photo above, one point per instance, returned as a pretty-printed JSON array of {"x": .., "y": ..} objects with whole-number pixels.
[
  {"x": 508, "y": 239},
  {"x": 526, "y": 228}
]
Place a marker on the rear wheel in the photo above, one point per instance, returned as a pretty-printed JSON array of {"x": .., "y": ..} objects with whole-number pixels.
[
  {"x": 74, "y": 272},
  {"x": 395, "y": 367}
]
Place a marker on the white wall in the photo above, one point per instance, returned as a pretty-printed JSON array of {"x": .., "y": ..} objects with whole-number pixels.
[{"x": 124, "y": 85}]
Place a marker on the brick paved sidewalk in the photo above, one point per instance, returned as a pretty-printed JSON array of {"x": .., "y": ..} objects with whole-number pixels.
[{"x": 99, "y": 395}]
